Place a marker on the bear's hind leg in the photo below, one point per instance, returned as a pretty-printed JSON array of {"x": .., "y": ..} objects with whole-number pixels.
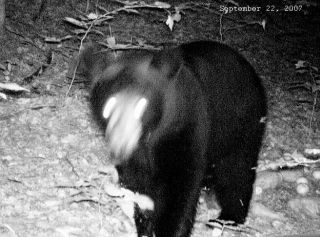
[{"x": 233, "y": 185}]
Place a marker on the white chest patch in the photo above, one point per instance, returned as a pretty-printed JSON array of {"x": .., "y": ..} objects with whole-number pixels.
[{"x": 124, "y": 129}]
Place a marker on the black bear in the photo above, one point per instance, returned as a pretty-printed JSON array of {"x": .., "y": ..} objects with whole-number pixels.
[{"x": 174, "y": 117}]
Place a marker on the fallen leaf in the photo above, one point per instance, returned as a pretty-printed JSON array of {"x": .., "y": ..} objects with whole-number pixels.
[{"x": 12, "y": 87}]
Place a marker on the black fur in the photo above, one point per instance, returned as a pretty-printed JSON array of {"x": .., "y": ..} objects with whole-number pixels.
[{"x": 204, "y": 120}]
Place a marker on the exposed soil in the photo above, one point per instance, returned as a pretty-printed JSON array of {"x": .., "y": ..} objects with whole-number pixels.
[{"x": 54, "y": 165}]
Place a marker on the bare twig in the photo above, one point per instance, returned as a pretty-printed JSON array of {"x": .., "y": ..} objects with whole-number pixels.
[
  {"x": 314, "y": 101},
  {"x": 220, "y": 28},
  {"x": 76, "y": 67},
  {"x": 13, "y": 233}
]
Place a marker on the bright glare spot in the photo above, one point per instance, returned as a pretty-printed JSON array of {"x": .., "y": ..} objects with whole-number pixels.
[
  {"x": 109, "y": 107},
  {"x": 140, "y": 107}
]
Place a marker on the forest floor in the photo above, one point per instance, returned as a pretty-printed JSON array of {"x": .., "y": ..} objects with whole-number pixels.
[{"x": 54, "y": 167}]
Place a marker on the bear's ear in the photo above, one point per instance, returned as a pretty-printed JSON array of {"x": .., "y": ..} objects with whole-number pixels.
[
  {"x": 92, "y": 61},
  {"x": 167, "y": 62}
]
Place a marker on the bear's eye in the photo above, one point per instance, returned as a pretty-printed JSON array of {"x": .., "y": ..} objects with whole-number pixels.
[
  {"x": 140, "y": 108},
  {"x": 110, "y": 105}
]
